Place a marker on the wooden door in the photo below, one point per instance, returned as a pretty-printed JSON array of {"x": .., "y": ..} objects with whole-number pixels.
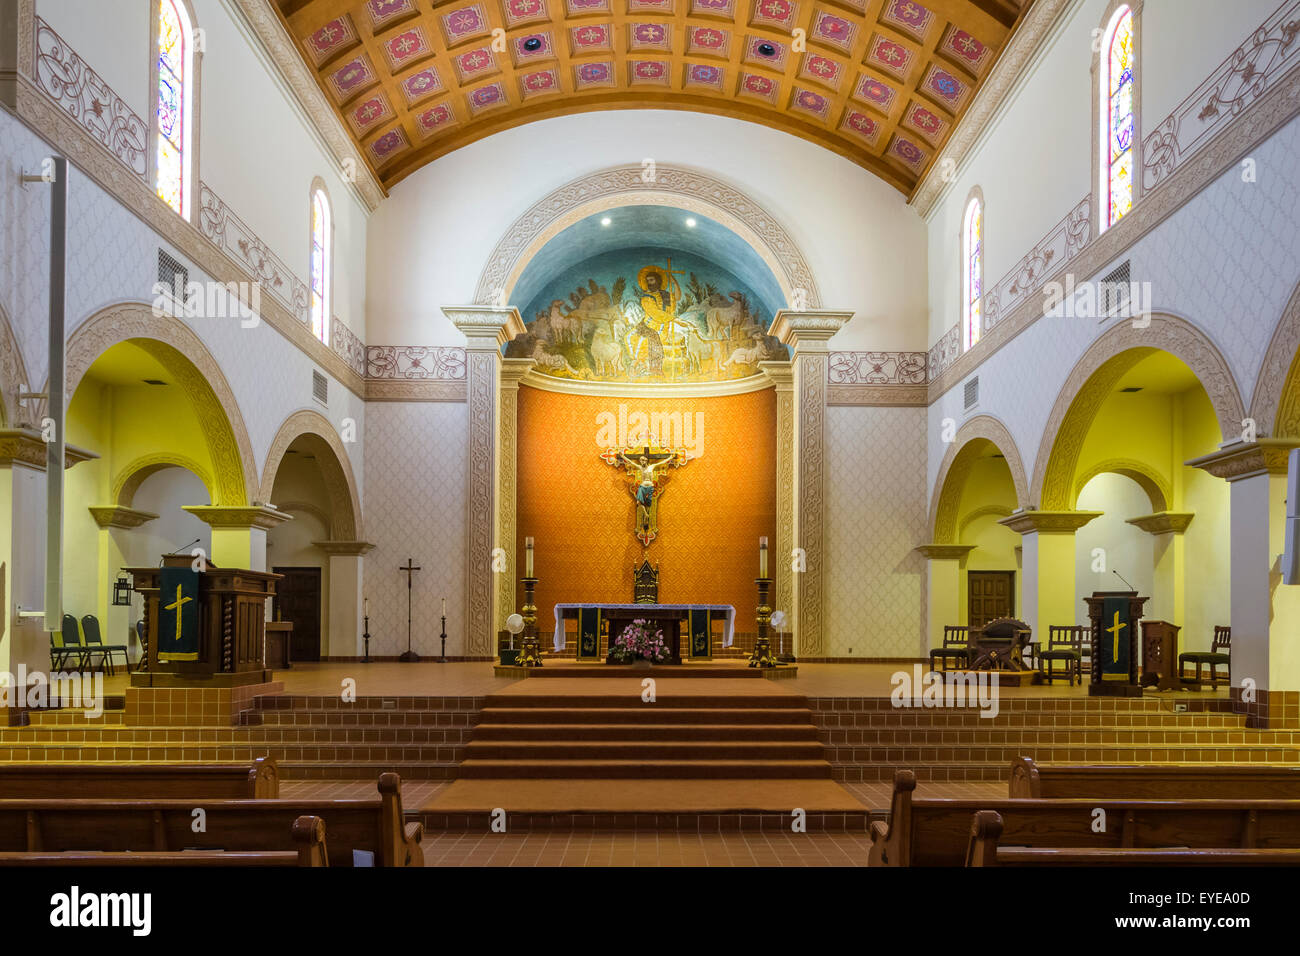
[
  {"x": 297, "y": 599},
  {"x": 990, "y": 595}
]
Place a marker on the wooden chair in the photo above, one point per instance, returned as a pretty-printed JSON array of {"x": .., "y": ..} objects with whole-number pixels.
[
  {"x": 956, "y": 646},
  {"x": 65, "y": 645},
  {"x": 95, "y": 642},
  {"x": 1064, "y": 643},
  {"x": 1219, "y": 653}
]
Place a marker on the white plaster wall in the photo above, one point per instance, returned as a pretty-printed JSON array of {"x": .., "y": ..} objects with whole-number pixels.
[{"x": 430, "y": 242}]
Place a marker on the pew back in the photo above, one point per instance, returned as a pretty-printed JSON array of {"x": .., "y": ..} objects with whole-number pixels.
[
  {"x": 1227, "y": 782},
  {"x": 258, "y": 779}
]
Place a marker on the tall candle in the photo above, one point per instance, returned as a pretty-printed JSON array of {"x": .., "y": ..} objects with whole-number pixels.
[
  {"x": 528, "y": 561},
  {"x": 366, "y": 607},
  {"x": 762, "y": 557},
  {"x": 444, "y": 607}
]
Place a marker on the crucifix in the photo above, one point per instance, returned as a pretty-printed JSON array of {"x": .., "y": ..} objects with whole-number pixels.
[
  {"x": 647, "y": 484},
  {"x": 410, "y": 568}
]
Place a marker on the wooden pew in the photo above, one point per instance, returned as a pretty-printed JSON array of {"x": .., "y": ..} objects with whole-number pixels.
[
  {"x": 1227, "y": 782},
  {"x": 935, "y": 832},
  {"x": 257, "y": 780},
  {"x": 162, "y": 826},
  {"x": 308, "y": 834},
  {"x": 986, "y": 830}
]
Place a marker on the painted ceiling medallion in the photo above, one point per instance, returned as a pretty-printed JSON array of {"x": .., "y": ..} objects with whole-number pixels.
[
  {"x": 389, "y": 145},
  {"x": 858, "y": 77}
]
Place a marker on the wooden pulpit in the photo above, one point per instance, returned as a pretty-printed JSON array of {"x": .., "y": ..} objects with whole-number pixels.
[
  {"x": 231, "y": 622},
  {"x": 1116, "y": 617}
]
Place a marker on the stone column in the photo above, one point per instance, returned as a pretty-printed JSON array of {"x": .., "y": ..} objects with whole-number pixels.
[
  {"x": 807, "y": 334},
  {"x": 1265, "y": 612},
  {"x": 943, "y": 593},
  {"x": 1169, "y": 595},
  {"x": 1047, "y": 593},
  {"x": 114, "y": 521},
  {"x": 486, "y": 330},
  {"x": 512, "y": 370},
  {"x": 239, "y": 532},
  {"x": 346, "y": 566},
  {"x": 781, "y": 374}
]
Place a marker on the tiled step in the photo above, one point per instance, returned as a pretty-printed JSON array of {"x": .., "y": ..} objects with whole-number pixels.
[
  {"x": 620, "y": 750},
  {"x": 645, "y": 769},
  {"x": 155, "y": 751},
  {"x": 907, "y": 756},
  {"x": 659, "y": 715},
  {"x": 602, "y": 702},
  {"x": 369, "y": 718},
  {"x": 228, "y": 736},
  {"x": 966, "y": 719},
  {"x": 367, "y": 770},
  {"x": 1056, "y": 736},
  {"x": 633, "y": 731},
  {"x": 295, "y": 702}
]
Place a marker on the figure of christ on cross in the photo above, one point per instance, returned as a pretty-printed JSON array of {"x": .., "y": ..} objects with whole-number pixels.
[{"x": 647, "y": 484}]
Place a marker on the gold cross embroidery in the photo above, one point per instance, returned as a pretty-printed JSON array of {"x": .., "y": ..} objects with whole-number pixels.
[
  {"x": 1113, "y": 631},
  {"x": 180, "y": 601}
]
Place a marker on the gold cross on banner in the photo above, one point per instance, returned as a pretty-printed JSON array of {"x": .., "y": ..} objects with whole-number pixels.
[
  {"x": 176, "y": 606},
  {"x": 1114, "y": 630}
]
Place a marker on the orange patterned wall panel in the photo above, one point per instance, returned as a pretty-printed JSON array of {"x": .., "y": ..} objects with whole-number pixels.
[{"x": 581, "y": 514}]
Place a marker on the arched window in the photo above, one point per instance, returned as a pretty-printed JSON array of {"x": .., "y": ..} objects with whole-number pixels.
[
  {"x": 321, "y": 236},
  {"x": 1118, "y": 62},
  {"x": 972, "y": 261},
  {"x": 174, "y": 110}
]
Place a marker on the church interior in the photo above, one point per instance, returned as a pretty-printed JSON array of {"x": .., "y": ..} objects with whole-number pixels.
[{"x": 650, "y": 432}]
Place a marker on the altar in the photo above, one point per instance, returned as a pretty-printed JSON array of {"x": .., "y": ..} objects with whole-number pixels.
[{"x": 600, "y": 624}]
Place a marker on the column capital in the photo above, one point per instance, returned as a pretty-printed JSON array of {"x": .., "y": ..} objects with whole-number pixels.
[
  {"x": 27, "y": 447},
  {"x": 780, "y": 374},
  {"x": 345, "y": 548},
  {"x": 1163, "y": 522},
  {"x": 514, "y": 369},
  {"x": 808, "y": 331},
  {"x": 941, "y": 552},
  {"x": 1246, "y": 459},
  {"x": 117, "y": 516},
  {"x": 238, "y": 516},
  {"x": 1050, "y": 522},
  {"x": 485, "y": 327}
]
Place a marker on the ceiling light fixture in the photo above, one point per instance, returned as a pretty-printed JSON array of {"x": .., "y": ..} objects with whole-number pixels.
[
  {"x": 606, "y": 221},
  {"x": 690, "y": 223}
]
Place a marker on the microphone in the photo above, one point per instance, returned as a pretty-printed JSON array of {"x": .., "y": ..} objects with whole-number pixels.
[
  {"x": 182, "y": 550},
  {"x": 1122, "y": 578}
]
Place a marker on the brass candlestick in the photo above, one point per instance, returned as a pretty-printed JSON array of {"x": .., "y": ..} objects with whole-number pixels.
[
  {"x": 762, "y": 656},
  {"x": 530, "y": 654}
]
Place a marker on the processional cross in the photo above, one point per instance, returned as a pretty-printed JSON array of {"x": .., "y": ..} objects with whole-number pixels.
[
  {"x": 647, "y": 483},
  {"x": 410, "y": 568}
]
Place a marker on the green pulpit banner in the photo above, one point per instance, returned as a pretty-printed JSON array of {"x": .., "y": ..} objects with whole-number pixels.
[
  {"x": 701, "y": 645},
  {"x": 178, "y": 615},
  {"x": 1114, "y": 641},
  {"x": 589, "y": 634}
]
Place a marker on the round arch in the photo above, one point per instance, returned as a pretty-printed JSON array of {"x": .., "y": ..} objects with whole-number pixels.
[
  {"x": 336, "y": 470},
  {"x": 624, "y": 186},
  {"x": 178, "y": 349},
  {"x": 1275, "y": 403},
  {"x": 1093, "y": 378},
  {"x": 13, "y": 372},
  {"x": 956, "y": 466},
  {"x": 130, "y": 478},
  {"x": 1157, "y": 489}
]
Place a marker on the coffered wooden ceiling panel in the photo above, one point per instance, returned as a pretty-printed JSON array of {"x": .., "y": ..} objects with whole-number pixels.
[{"x": 881, "y": 82}]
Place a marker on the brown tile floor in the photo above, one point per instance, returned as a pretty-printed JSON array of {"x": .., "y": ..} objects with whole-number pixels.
[{"x": 646, "y": 849}]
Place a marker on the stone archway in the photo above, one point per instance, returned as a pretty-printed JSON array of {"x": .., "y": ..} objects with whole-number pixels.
[
  {"x": 129, "y": 479},
  {"x": 1275, "y": 404},
  {"x": 178, "y": 349},
  {"x": 956, "y": 466},
  {"x": 1094, "y": 376},
  {"x": 1154, "y": 485},
  {"x": 335, "y": 466}
]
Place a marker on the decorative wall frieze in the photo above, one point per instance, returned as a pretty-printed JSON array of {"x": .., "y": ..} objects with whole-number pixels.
[
  {"x": 878, "y": 395},
  {"x": 416, "y": 390},
  {"x": 415, "y": 362},
  {"x": 877, "y": 368}
]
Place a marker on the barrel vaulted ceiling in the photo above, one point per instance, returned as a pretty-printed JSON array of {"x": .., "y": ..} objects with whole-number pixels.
[{"x": 881, "y": 82}]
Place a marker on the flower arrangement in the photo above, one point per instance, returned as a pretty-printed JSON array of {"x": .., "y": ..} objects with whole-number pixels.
[{"x": 640, "y": 641}]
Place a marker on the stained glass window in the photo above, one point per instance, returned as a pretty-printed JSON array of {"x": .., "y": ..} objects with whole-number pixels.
[
  {"x": 973, "y": 272},
  {"x": 1117, "y": 96},
  {"x": 174, "y": 98},
  {"x": 320, "y": 265}
]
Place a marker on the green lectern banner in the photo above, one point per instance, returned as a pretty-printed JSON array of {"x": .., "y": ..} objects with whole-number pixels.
[
  {"x": 701, "y": 635},
  {"x": 589, "y": 634},
  {"x": 1114, "y": 641},
  {"x": 178, "y": 615}
]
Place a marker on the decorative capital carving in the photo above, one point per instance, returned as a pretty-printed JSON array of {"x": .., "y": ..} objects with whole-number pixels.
[
  {"x": 25, "y": 446},
  {"x": 235, "y": 516},
  {"x": 513, "y": 370},
  {"x": 780, "y": 374},
  {"x": 808, "y": 331},
  {"x": 117, "y": 516},
  {"x": 1246, "y": 459},
  {"x": 1163, "y": 522},
  {"x": 1049, "y": 522},
  {"x": 485, "y": 327},
  {"x": 944, "y": 552},
  {"x": 354, "y": 548}
]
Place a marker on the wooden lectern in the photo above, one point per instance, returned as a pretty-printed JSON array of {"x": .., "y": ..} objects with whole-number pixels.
[
  {"x": 1160, "y": 656},
  {"x": 231, "y": 622},
  {"x": 1115, "y": 617}
]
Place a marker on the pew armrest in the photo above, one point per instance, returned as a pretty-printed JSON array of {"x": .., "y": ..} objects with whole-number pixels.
[
  {"x": 414, "y": 835},
  {"x": 1025, "y": 782}
]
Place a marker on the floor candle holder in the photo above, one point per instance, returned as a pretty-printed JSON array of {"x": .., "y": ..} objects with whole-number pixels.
[
  {"x": 762, "y": 656},
  {"x": 530, "y": 653}
]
